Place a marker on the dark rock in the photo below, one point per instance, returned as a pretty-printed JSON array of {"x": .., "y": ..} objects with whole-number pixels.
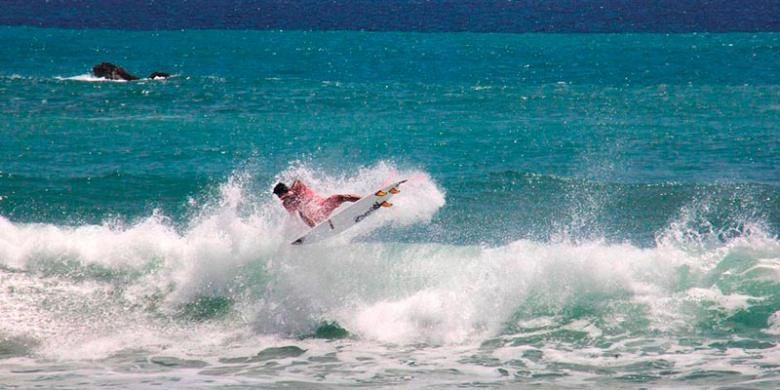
[
  {"x": 110, "y": 71},
  {"x": 159, "y": 75}
]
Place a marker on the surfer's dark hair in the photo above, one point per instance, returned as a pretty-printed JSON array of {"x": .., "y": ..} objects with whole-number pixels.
[{"x": 280, "y": 189}]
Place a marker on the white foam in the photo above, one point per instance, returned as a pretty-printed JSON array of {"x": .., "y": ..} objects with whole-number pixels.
[
  {"x": 441, "y": 294},
  {"x": 89, "y": 77},
  {"x": 204, "y": 257},
  {"x": 773, "y": 324},
  {"x": 729, "y": 302}
]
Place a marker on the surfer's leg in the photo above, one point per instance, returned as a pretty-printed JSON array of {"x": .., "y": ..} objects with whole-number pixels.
[{"x": 332, "y": 203}]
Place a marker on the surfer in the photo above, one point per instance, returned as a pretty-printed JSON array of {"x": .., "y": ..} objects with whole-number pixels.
[{"x": 311, "y": 207}]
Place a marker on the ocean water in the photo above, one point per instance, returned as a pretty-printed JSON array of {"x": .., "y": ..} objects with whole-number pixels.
[{"x": 582, "y": 210}]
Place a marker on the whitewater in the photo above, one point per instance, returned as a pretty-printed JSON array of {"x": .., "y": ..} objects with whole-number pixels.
[{"x": 226, "y": 300}]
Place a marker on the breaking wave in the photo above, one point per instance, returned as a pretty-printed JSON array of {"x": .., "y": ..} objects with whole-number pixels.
[{"x": 229, "y": 270}]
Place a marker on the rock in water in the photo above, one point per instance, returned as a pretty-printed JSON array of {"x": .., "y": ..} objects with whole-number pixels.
[
  {"x": 159, "y": 75},
  {"x": 110, "y": 71}
]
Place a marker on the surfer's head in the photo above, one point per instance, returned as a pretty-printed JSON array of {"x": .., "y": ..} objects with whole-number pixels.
[{"x": 281, "y": 189}]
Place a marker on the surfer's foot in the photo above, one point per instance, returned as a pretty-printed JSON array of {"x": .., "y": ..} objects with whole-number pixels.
[
  {"x": 387, "y": 204},
  {"x": 394, "y": 190},
  {"x": 351, "y": 198}
]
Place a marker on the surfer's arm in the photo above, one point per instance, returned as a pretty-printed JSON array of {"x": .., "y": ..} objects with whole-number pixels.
[
  {"x": 298, "y": 187},
  {"x": 306, "y": 220}
]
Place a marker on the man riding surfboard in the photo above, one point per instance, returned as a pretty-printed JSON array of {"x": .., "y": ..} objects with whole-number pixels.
[{"x": 311, "y": 207}]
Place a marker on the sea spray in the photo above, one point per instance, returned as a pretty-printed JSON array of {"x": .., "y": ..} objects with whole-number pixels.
[{"x": 154, "y": 267}]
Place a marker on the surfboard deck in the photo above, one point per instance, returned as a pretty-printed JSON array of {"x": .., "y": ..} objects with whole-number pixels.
[{"x": 350, "y": 216}]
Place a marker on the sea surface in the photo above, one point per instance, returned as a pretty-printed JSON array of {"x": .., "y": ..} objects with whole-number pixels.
[{"x": 582, "y": 210}]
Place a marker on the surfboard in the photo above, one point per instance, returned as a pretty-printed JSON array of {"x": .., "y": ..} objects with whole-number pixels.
[{"x": 351, "y": 215}]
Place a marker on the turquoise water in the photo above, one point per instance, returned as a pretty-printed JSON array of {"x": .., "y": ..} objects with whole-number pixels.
[{"x": 582, "y": 210}]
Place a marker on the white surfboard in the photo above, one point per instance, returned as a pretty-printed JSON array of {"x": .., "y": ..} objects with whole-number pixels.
[{"x": 350, "y": 216}]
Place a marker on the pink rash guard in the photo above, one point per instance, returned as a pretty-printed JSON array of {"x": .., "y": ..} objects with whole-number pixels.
[{"x": 312, "y": 208}]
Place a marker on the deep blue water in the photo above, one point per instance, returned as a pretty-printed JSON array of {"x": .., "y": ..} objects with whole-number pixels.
[
  {"x": 517, "y": 128},
  {"x": 588, "y": 16}
]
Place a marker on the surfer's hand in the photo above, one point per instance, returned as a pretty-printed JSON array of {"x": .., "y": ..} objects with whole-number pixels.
[{"x": 306, "y": 220}]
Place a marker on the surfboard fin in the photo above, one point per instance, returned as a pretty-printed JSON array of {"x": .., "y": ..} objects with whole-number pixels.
[
  {"x": 394, "y": 190},
  {"x": 386, "y": 204}
]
